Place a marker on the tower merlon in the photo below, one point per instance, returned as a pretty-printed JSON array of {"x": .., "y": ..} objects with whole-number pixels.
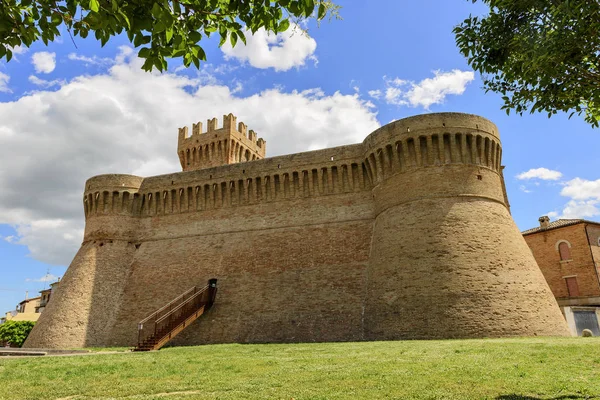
[
  {"x": 242, "y": 128},
  {"x": 197, "y": 128},
  {"x": 212, "y": 125},
  {"x": 183, "y": 134},
  {"x": 229, "y": 122},
  {"x": 252, "y": 136}
]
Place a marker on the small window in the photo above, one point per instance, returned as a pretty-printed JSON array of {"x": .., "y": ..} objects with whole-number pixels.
[
  {"x": 572, "y": 286},
  {"x": 565, "y": 252}
]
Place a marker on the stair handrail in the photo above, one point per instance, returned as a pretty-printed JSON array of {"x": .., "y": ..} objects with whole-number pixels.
[
  {"x": 155, "y": 313},
  {"x": 155, "y": 319},
  {"x": 184, "y": 303}
]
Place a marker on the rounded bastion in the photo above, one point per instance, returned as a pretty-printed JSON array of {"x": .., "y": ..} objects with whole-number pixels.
[{"x": 447, "y": 260}]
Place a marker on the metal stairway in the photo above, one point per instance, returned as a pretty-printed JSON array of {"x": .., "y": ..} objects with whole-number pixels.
[{"x": 164, "y": 324}]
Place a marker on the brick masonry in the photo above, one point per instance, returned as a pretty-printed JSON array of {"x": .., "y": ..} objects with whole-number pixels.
[
  {"x": 583, "y": 264},
  {"x": 406, "y": 235}
]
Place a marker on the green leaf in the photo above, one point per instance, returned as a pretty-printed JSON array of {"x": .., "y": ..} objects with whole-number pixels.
[
  {"x": 195, "y": 37},
  {"x": 144, "y": 52},
  {"x": 283, "y": 25},
  {"x": 169, "y": 34},
  {"x": 322, "y": 11},
  {"x": 94, "y": 5},
  {"x": 233, "y": 39}
]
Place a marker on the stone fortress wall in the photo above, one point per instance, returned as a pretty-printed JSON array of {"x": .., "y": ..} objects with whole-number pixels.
[{"x": 406, "y": 235}]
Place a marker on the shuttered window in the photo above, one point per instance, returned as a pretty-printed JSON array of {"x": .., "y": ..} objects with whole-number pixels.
[
  {"x": 565, "y": 252},
  {"x": 572, "y": 286}
]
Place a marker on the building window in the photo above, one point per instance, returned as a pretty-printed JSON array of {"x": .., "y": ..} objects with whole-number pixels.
[
  {"x": 572, "y": 286},
  {"x": 564, "y": 249}
]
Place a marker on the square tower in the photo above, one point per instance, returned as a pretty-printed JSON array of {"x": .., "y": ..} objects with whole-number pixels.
[{"x": 218, "y": 146}]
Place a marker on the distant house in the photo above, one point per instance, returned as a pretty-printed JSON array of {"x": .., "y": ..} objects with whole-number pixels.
[
  {"x": 45, "y": 296},
  {"x": 26, "y": 310},
  {"x": 568, "y": 253},
  {"x": 30, "y": 309}
]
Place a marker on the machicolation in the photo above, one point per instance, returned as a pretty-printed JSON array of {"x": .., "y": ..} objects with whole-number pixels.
[{"x": 406, "y": 235}]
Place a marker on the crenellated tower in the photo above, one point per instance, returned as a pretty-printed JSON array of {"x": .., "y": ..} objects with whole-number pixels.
[{"x": 218, "y": 146}]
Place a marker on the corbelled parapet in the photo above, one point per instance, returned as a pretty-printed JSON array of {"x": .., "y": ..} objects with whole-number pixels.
[{"x": 218, "y": 146}]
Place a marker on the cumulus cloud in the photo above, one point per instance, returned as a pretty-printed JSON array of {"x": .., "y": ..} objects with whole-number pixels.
[
  {"x": 113, "y": 122},
  {"x": 584, "y": 199},
  {"x": 428, "y": 91},
  {"x": 544, "y": 174},
  {"x": 266, "y": 50},
  {"x": 43, "y": 62},
  {"x": 4, "y": 78}
]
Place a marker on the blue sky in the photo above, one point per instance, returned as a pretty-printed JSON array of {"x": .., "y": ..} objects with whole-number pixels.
[{"x": 68, "y": 113}]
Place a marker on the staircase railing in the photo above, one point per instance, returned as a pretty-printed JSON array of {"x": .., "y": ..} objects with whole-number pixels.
[{"x": 164, "y": 320}]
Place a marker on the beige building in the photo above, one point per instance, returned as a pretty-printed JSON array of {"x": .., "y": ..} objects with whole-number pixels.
[
  {"x": 568, "y": 253},
  {"x": 45, "y": 296},
  {"x": 26, "y": 311},
  {"x": 30, "y": 309}
]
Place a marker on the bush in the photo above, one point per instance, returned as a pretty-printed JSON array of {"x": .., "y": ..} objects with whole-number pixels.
[{"x": 14, "y": 333}]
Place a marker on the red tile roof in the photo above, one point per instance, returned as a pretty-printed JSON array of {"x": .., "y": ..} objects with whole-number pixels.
[{"x": 559, "y": 223}]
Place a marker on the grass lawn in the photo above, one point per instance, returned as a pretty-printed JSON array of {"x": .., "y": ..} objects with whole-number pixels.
[{"x": 528, "y": 368}]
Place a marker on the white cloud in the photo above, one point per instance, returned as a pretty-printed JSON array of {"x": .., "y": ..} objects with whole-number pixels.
[
  {"x": 552, "y": 214},
  {"x": 524, "y": 189},
  {"x": 18, "y": 50},
  {"x": 113, "y": 122},
  {"x": 94, "y": 60},
  {"x": 584, "y": 199},
  {"x": 4, "y": 83},
  {"x": 45, "y": 83},
  {"x": 540, "y": 173},
  {"x": 582, "y": 189},
  {"x": 376, "y": 94},
  {"x": 429, "y": 91},
  {"x": 45, "y": 278},
  {"x": 43, "y": 62},
  {"x": 266, "y": 50}
]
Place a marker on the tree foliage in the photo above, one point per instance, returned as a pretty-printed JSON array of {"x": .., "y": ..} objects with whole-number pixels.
[
  {"x": 160, "y": 29},
  {"x": 15, "y": 332},
  {"x": 541, "y": 55}
]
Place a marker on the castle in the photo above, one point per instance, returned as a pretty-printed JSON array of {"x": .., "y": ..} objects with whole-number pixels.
[{"x": 406, "y": 235}]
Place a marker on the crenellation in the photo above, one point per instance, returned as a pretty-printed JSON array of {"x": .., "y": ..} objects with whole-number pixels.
[
  {"x": 252, "y": 136},
  {"x": 242, "y": 129},
  {"x": 223, "y": 146},
  {"x": 197, "y": 128},
  {"x": 212, "y": 125},
  {"x": 229, "y": 122}
]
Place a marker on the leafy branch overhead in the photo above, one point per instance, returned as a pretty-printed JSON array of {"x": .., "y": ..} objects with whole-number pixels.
[
  {"x": 541, "y": 55},
  {"x": 160, "y": 29}
]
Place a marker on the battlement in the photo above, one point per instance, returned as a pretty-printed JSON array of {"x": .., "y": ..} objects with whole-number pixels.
[{"x": 232, "y": 143}]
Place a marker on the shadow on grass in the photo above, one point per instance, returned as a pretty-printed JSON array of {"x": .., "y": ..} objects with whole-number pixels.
[{"x": 563, "y": 397}]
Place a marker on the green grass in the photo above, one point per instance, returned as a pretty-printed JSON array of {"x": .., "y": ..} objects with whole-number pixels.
[{"x": 529, "y": 368}]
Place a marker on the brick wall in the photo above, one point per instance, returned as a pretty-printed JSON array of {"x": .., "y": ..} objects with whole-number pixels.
[{"x": 544, "y": 248}]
